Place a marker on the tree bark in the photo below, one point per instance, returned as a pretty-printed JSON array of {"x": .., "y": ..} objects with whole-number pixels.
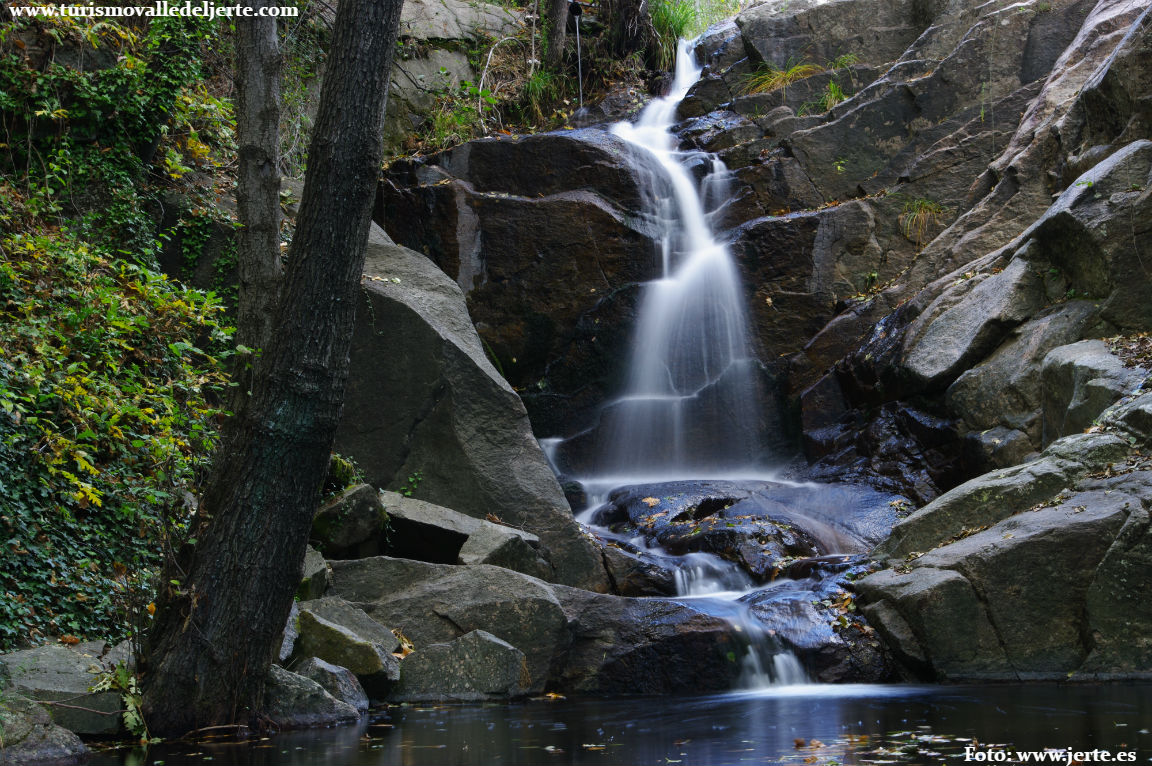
[
  {"x": 258, "y": 65},
  {"x": 216, "y": 633},
  {"x": 557, "y": 29}
]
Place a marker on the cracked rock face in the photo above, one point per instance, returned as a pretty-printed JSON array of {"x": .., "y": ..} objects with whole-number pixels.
[
  {"x": 426, "y": 411},
  {"x": 1043, "y": 565}
]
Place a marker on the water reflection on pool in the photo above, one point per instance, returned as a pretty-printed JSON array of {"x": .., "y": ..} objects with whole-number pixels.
[{"x": 852, "y": 724}]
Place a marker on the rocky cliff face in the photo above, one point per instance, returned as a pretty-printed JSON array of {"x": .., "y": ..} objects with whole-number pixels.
[{"x": 931, "y": 265}]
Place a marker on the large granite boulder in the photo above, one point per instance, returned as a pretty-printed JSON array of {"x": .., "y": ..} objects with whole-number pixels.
[
  {"x": 477, "y": 666},
  {"x": 547, "y": 237},
  {"x": 339, "y": 633},
  {"x": 786, "y": 33},
  {"x": 644, "y": 646},
  {"x": 995, "y": 496},
  {"x": 292, "y": 701},
  {"x": 1081, "y": 380},
  {"x": 29, "y": 737},
  {"x": 438, "y": 603},
  {"x": 1041, "y": 563},
  {"x": 425, "y": 406}
]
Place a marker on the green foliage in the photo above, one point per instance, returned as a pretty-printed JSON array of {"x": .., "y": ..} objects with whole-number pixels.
[
  {"x": 120, "y": 679},
  {"x": 675, "y": 20},
  {"x": 79, "y": 142},
  {"x": 412, "y": 483},
  {"x": 457, "y": 117},
  {"x": 105, "y": 420},
  {"x": 110, "y": 374},
  {"x": 304, "y": 45},
  {"x": 771, "y": 78},
  {"x": 672, "y": 20},
  {"x": 843, "y": 61},
  {"x": 540, "y": 89},
  {"x": 342, "y": 474},
  {"x": 917, "y": 215}
]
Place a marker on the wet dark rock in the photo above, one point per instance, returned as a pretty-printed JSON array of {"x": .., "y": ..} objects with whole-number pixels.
[
  {"x": 815, "y": 619},
  {"x": 643, "y": 646},
  {"x": 898, "y": 449},
  {"x": 639, "y": 573},
  {"x": 758, "y": 525},
  {"x": 547, "y": 238}
]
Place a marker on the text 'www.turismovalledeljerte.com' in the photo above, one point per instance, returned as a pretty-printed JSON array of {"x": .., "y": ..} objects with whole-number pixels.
[{"x": 162, "y": 8}]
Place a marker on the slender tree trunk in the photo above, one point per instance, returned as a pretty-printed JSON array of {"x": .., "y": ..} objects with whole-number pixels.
[
  {"x": 217, "y": 632},
  {"x": 258, "y": 65},
  {"x": 557, "y": 29}
]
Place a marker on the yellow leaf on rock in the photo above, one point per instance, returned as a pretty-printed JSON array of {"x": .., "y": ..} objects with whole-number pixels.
[{"x": 651, "y": 501}]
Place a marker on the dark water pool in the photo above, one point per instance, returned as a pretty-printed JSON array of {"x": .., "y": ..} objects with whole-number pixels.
[{"x": 799, "y": 725}]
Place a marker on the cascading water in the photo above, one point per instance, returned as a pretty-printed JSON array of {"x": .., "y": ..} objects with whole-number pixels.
[{"x": 690, "y": 407}]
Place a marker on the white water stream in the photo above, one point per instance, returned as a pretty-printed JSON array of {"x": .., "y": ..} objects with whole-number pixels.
[{"x": 690, "y": 408}]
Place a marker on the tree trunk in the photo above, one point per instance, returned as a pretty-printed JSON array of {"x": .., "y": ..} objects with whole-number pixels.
[
  {"x": 216, "y": 633},
  {"x": 557, "y": 28},
  {"x": 258, "y": 188}
]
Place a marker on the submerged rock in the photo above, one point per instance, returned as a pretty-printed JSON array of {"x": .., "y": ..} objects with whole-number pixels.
[{"x": 644, "y": 646}]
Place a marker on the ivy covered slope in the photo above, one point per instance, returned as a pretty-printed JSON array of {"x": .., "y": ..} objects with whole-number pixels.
[{"x": 111, "y": 375}]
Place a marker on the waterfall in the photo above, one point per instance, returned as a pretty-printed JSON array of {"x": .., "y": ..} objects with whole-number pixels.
[
  {"x": 690, "y": 405},
  {"x": 690, "y": 408}
]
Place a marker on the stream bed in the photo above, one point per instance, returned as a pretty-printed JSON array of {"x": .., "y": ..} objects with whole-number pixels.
[{"x": 819, "y": 724}]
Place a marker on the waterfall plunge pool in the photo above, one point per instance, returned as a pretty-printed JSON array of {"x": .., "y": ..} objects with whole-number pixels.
[{"x": 826, "y": 724}]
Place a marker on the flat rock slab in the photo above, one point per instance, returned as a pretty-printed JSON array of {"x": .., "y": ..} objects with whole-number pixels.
[{"x": 55, "y": 673}]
